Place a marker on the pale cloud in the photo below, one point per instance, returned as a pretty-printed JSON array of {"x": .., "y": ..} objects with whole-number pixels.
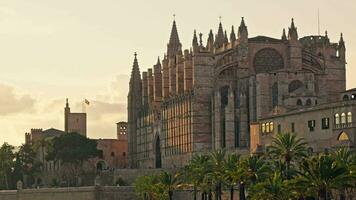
[{"x": 13, "y": 102}]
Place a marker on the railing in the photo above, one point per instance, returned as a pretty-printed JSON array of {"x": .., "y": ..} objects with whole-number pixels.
[{"x": 345, "y": 125}]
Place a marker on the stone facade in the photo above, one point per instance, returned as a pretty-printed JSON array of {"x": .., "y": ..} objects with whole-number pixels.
[
  {"x": 74, "y": 122},
  {"x": 208, "y": 97}
]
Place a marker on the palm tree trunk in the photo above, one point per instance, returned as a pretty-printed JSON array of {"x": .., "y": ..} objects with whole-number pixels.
[
  {"x": 232, "y": 193},
  {"x": 242, "y": 191},
  {"x": 170, "y": 193},
  {"x": 203, "y": 196},
  {"x": 195, "y": 193}
]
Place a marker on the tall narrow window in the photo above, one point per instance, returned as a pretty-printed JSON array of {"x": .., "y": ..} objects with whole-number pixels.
[
  {"x": 263, "y": 128},
  {"x": 337, "y": 119},
  {"x": 293, "y": 127},
  {"x": 267, "y": 127},
  {"x": 274, "y": 95},
  {"x": 325, "y": 123},
  {"x": 343, "y": 118},
  {"x": 311, "y": 125},
  {"x": 349, "y": 117},
  {"x": 271, "y": 127},
  {"x": 279, "y": 128}
]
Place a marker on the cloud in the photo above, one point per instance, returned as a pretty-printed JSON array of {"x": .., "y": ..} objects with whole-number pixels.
[{"x": 12, "y": 102}]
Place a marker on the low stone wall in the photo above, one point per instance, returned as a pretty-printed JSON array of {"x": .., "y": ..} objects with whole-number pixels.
[
  {"x": 78, "y": 193},
  {"x": 130, "y": 175}
]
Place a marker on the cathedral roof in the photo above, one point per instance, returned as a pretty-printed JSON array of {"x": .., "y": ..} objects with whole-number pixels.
[
  {"x": 264, "y": 39},
  {"x": 52, "y": 132}
]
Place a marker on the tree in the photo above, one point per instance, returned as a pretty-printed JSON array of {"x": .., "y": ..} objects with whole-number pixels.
[
  {"x": 196, "y": 174},
  {"x": 286, "y": 148},
  {"x": 322, "y": 174},
  {"x": 72, "y": 150},
  {"x": 218, "y": 162},
  {"x": 274, "y": 188},
  {"x": 169, "y": 182},
  {"x": 26, "y": 164},
  {"x": 233, "y": 173},
  {"x": 254, "y": 169},
  {"x": 6, "y": 163}
]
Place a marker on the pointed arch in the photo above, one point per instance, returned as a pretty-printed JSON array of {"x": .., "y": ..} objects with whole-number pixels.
[{"x": 343, "y": 136}]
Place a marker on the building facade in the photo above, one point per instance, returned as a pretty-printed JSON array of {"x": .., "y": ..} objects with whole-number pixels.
[
  {"x": 212, "y": 95},
  {"x": 74, "y": 122}
]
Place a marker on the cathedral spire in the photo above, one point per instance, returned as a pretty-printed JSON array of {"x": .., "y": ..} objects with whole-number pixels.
[
  {"x": 341, "y": 42},
  {"x": 284, "y": 36},
  {"x": 195, "y": 39},
  {"x": 232, "y": 34},
  {"x": 226, "y": 40},
  {"x": 158, "y": 61},
  {"x": 210, "y": 43},
  {"x": 293, "y": 33},
  {"x": 243, "y": 33},
  {"x": 174, "y": 45},
  {"x": 219, "y": 42},
  {"x": 135, "y": 73}
]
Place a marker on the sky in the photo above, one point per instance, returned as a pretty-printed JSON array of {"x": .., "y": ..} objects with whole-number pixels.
[{"x": 83, "y": 49}]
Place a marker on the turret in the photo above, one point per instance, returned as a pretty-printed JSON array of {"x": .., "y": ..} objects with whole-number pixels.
[
  {"x": 284, "y": 36},
  {"x": 226, "y": 40},
  {"x": 195, "y": 41},
  {"x": 174, "y": 46},
  {"x": 341, "y": 48},
  {"x": 293, "y": 33},
  {"x": 220, "y": 38},
  {"x": 66, "y": 114},
  {"x": 232, "y": 35},
  {"x": 243, "y": 33},
  {"x": 157, "y": 81},
  {"x": 210, "y": 42}
]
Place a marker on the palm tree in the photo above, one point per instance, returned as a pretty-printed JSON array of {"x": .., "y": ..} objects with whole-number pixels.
[
  {"x": 233, "y": 173},
  {"x": 322, "y": 174},
  {"x": 196, "y": 173},
  {"x": 254, "y": 169},
  {"x": 169, "y": 183},
  {"x": 218, "y": 162},
  {"x": 288, "y": 149},
  {"x": 274, "y": 188}
]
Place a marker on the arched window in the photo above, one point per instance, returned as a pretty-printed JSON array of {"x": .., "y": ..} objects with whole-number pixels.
[
  {"x": 263, "y": 127},
  {"x": 268, "y": 59},
  {"x": 337, "y": 119},
  {"x": 343, "y": 137},
  {"x": 271, "y": 127},
  {"x": 299, "y": 102},
  {"x": 349, "y": 117},
  {"x": 345, "y": 97},
  {"x": 343, "y": 118},
  {"x": 308, "y": 103},
  {"x": 274, "y": 95},
  {"x": 267, "y": 127},
  {"x": 295, "y": 85},
  {"x": 224, "y": 93}
]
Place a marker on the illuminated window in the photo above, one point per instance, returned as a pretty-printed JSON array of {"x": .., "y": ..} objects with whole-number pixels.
[
  {"x": 337, "y": 119},
  {"x": 267, "y": 128},
  {"x": 271, "y": 127},
  {"x": 349, "y": 117},
  {"x": 263, "y": 128},
  {"x": 343, "y": 136},
  {"x": 343, "y": 118}
]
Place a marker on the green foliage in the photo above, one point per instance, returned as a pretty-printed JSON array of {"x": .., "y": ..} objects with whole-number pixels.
[
  {"x": 72, "y": 148},
  {"x": 284, "y": 172},
  {"x": 6, "y": 164}
]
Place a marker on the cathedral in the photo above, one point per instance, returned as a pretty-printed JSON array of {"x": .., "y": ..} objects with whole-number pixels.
[{"x": 233, "y": 92}]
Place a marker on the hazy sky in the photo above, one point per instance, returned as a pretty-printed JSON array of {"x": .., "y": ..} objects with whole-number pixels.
[{"x": 50, "y": 50}]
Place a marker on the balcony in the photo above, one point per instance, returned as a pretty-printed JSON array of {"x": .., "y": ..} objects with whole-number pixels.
[{"x": 344, "y": 125}]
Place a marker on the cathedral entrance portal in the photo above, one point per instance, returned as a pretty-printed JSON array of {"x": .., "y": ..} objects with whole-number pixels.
[{"x": 158, "y": 153}]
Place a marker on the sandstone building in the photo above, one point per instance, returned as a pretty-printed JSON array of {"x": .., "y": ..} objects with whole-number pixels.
[{"x": 214, "y": 94}]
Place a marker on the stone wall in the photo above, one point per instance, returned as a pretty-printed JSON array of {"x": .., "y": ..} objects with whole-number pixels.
[{"x": 79, "y": 193}]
